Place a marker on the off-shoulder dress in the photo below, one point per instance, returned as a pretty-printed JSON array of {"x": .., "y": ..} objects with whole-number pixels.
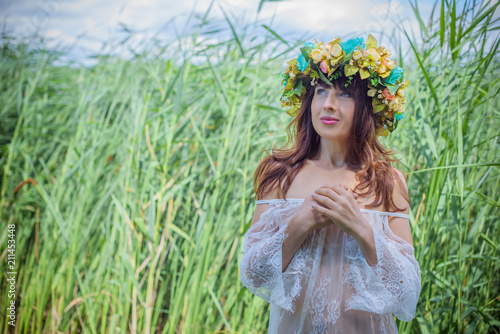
[{"x": 328, "y": 287}]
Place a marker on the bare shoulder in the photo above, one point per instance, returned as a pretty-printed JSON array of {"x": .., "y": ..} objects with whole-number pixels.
[
  {"x": 263, "y": 207},
  {"x": 400, "y": 192},
  {"x": 401, "y": 226},
  {"x": 398, "y": 174},
  {"x": 273, "y": 194}
]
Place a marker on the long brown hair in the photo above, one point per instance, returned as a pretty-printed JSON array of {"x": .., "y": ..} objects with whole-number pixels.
[{"x": 367, "y": 157}]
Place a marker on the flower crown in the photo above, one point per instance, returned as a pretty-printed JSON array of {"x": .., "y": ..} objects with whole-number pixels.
[{"x": 330, "y": 61}]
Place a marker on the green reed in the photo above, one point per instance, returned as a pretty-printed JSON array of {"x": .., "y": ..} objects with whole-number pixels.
[{"x": 142, "y": 179}]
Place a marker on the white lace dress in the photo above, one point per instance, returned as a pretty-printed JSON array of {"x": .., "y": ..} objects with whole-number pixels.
[{"x": 328, "y": 287}]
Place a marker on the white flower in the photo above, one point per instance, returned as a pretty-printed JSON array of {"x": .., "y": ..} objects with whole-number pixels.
[
  {"x": 357, "y": 54},
  {"x": 316, "y": 55},
  {"x": 336, "y": 50},
  {"x": 391, "y": 64},
  {"x": 325, "y": 50}
]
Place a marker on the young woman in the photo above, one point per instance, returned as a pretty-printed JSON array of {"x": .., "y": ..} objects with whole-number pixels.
[{"x": 330, "y": 244}]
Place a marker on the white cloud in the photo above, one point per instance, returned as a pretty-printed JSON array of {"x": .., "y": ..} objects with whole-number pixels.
[{"x": 100, "y": 21}]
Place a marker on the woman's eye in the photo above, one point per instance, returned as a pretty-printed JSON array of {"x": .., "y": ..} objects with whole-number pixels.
[
  {"x": 320, "y": 91},
  {"x": 344, "y": 94}
]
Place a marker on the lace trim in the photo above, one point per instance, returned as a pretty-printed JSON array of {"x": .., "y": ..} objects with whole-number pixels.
[
  {"x": 300, "y": 200},
  {"x": 392, "y": 285},
  {"x": 261, "y": 265}
]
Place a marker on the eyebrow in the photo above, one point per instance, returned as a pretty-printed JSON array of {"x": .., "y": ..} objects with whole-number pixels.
[{"x": 339, "y": 88}]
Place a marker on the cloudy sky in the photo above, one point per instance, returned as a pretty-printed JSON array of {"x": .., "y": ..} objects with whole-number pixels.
[{"x": 89, "y": 24}]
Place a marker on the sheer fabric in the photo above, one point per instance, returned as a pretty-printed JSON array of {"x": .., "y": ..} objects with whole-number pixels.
[{"x": 328, "y": 287}]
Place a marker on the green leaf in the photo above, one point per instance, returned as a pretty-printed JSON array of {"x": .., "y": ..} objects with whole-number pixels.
[
  {"x": 298, "y": 88},
  {"x": 290, "y": 84},
  {"x": 306, "y": 51},
  {"x": 441, "y": 25},
  {"x": 371, "y": 42},
  {"x": 377, "y": 107},
  {"x": 236, "y": 38},
  {"x": 322, "y": 76},
  {"x": 364, "y": 73},
  {"x": 468, "y": 311},
  {"x": 293, "y": 111},
  {"x": 262, "y": 2},
  {"x": 392, "y": 89},
  {"x": 275, "y": 34},
  {"x": 453, "y": 26},
  {"x": 350, "y": 70},
  {"x": 424, "y": 72}
]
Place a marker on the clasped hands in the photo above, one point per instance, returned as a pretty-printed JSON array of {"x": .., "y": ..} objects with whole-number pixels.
[{"x": 334, "y": 203}]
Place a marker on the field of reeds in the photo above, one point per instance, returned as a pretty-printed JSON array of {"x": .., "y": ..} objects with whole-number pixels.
[{"x": 130, "y": 183}]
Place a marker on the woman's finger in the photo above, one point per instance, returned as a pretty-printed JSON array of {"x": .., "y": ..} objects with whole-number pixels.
[
  {"x": 324, "y": 211},
  {"x": 341, "y": 189},
  {"x": 321, "y": 198},
  {"x": 328, "y": 191},
  {"x": 346, "y": 188},
  {"x": 344, "y": 197}
]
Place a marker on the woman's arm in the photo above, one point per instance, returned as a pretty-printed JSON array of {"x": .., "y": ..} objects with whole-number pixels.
[
  {"x": 399, "y": 226},
  {"x": 393, "y": 284},
  {"x": 264, "y": 248},
  {"x": 296, "y": 230}
]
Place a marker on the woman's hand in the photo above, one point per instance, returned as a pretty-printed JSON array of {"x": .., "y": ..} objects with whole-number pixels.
[
  {"x": 309, "y": 218},
  {"x": 336, "y": 205}
]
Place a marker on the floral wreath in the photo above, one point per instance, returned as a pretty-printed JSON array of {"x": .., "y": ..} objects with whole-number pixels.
[{"x": 330, "y": 61}]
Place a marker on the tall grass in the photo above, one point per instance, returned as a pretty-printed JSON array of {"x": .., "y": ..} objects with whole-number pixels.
[{"x": 130, "y": 182}]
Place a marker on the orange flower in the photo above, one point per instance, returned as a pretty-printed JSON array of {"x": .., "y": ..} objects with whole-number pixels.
[
  {"x": 323, "y": 66},
  {"x": 387, "y": 94}
]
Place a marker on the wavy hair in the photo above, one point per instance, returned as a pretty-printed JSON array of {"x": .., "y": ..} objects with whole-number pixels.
[{"x": 367, "y": 157}]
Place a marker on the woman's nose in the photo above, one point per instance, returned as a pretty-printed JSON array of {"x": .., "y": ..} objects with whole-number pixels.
[{"x": 331, "y": 101}]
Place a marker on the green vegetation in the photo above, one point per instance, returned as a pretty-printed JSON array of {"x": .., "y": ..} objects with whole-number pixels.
[{"x": 130, "y": 182}]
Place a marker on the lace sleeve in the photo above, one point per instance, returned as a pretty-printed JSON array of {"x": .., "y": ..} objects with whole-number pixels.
[
  {"x": 393, "y": 284},
  {"x": 261, "y": 264}
]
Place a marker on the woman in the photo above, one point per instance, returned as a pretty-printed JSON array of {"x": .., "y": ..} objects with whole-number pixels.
[{"x": 330, "y": 244}]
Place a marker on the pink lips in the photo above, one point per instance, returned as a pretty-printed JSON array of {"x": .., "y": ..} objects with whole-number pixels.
[{"x": 328, "y": 120}]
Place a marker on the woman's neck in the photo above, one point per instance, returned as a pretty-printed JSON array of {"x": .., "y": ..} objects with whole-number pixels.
[{"x": 332, "y": 154}]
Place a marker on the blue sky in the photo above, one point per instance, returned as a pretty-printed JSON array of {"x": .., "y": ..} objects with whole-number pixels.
[{"x": 88, "y": 24}]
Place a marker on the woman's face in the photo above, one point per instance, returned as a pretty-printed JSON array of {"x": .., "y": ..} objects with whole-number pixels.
[{"x": 332, "y": 112}]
